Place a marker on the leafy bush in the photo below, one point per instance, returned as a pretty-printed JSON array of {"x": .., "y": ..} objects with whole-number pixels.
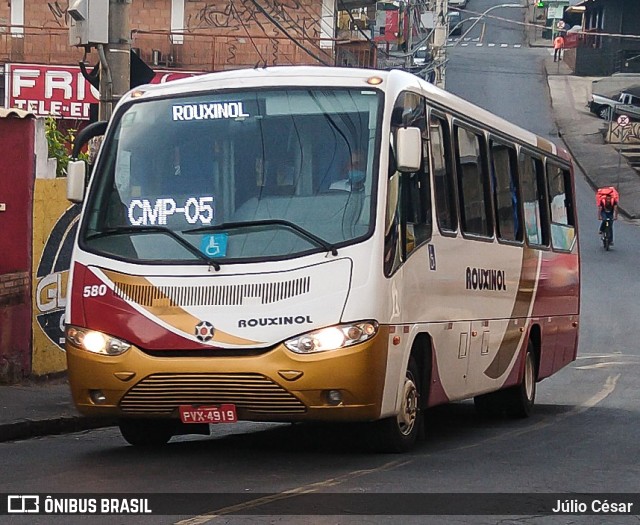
[{"x": 59, "y": 145}]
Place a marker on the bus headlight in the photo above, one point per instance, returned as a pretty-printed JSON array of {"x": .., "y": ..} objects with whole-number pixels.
[
  {"x": 96, "y": 342},
  {"x": 332, "y": 337}
]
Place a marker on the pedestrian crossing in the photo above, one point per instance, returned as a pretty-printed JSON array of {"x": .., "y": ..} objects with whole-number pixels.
[{"x": 475, "y": 42}]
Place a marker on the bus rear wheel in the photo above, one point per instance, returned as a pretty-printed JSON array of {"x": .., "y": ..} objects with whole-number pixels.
[
  {"x": 516, "y": 401},
  {"x": 399, "y": 433},
  {"x": 519, "y": 399},
  {"x": 147, "y": 432}
]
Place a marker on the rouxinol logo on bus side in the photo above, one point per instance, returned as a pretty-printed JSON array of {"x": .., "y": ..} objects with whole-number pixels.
[
  {"x": 271, "y": 321},
  {"x": 486, "y": 279}
]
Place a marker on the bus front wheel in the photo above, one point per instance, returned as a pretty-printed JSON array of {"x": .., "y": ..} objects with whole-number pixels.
[
  {"x": 399, "y": 433},
  {"x": 147, "y": 432}
]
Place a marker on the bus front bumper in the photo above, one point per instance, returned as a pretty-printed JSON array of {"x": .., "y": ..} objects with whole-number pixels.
[{"x": 279, "y": 385}]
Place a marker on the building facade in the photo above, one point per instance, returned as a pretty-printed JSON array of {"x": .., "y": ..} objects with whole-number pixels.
[{"x": 610, "y": 39}]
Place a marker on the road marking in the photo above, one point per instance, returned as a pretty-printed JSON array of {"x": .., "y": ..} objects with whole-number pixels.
[
  {"x": 305, "y": 489},
  {"x": 452, "y": 42},
  {"x": 602, "y": 365},
  {"x": 608, "y": 387},
  {"x": 479, "y": 45},
  {"x": 615, "y": 355},
  {"x": 605, "y": 391}
]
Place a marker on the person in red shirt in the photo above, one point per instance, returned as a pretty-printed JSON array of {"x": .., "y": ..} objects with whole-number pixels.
[
  {"x": 558, "y": 46},
  {"x": 607, "y": 209}
]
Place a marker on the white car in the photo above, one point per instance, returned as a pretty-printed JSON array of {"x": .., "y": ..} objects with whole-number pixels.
[
  {"x": 421, "y": 55},
  {"x": 460, "y": 4}
]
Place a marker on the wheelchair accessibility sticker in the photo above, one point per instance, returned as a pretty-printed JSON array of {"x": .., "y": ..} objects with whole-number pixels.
[{"x": 214, "y": 245}]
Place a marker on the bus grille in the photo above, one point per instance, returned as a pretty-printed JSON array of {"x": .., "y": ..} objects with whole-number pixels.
[
  {"x": 163, "y": 393},
  {"x": 222, "y": 295}
]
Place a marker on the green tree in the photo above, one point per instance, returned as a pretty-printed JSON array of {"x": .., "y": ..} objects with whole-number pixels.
[{"x": 59, "y": 145}]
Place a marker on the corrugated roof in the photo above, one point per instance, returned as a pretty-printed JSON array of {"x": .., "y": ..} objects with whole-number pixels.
[{"x": 15, "y": 112}]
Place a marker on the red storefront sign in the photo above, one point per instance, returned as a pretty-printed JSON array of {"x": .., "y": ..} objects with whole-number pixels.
[{"x": 59, "y": 91}]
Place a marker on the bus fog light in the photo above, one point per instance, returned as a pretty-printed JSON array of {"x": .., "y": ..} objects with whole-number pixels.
[
  {"x": 97, "y": 396},
  {"x": 334, "y": 397}
]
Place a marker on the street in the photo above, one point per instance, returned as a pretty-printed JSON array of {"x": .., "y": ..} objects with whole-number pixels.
[{"x": 583, "y": 435}]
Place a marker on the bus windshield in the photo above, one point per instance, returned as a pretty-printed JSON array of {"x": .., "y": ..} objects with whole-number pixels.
[{"x": 236, "y": 175}]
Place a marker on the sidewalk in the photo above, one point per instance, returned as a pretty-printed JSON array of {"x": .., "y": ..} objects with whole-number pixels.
[
  {"x": 45, "y": 407},
  {"x": 582, "y": 133},
  {"x": 39, "y": 408}
]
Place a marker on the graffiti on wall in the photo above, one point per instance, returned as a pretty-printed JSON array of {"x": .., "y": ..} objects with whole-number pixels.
[
  {"x": 624, "y": 134},
  {"x": 52, "y": 274},
  {"x": 59, "y": 13},
  {"x": 272, "y": 17}
]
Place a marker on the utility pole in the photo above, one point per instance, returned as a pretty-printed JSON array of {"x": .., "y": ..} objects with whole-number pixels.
[
  {"x": 408, "y": 60},
  {"x": 439, "y": 41},
  {"x": 115, "y": 58}
]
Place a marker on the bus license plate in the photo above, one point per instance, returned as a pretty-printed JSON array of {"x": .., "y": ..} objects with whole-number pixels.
[{"x": 221, "y": 414}]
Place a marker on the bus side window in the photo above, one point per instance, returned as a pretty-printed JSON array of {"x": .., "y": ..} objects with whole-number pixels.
[
  {"x": 536, "y": 218},
  {"x": 446, "y": 213},
  {"x": 506, "y": 193},
  {"x": 473, "y": 183},
  {"x": 562, "y": 217}
]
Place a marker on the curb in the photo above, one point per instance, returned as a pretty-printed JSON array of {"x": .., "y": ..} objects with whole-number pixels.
[{"x": 27, "y": 429}]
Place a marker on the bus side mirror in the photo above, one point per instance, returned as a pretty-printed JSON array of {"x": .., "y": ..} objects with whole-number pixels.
[
  {"x": 408, "y": 150},
  {"x": 76, "y": 171}
]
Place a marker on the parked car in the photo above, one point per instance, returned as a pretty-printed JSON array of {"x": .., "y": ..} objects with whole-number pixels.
[
  {"x": 455, "y": 26},
  {"x": 421, "y": 56},
  {"x": 624, "y": 102},
  {"x": 461, "y": 4}
]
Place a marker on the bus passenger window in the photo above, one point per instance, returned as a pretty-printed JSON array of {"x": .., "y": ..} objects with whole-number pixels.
[
  {"x": 562, "y": 218},
  {"x": 442, "y": 175},
  {"x": 533, "y": 201},
  {"x": 504, "y": 166},
  {"x": 473, "y": 183}
]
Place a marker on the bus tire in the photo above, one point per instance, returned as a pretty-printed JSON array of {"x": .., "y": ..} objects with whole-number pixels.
[
  {"x": 519, "y": 399},
  {"x": 147, "y": 432},
  {"x": 398, "y": 434},
  {"x": 516, "y": 401}
]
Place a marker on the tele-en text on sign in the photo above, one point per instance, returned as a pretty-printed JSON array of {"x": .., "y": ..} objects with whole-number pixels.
[{"x": 59, "y": 91}]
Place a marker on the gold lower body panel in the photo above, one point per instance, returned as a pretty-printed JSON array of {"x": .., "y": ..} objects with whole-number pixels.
[{"x": 261, "y": 387}]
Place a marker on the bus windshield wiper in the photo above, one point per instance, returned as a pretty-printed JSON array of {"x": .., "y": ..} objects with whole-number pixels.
[
  {"x": 267, "y": 222},
  {"x": 157, "y": 229}
]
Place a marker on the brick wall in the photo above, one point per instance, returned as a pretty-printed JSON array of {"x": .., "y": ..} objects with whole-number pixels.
[
  {"x": 14, "y": 288},
  {"x": 219, "y": 34},
  {"x": 15, "y": 322}
]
